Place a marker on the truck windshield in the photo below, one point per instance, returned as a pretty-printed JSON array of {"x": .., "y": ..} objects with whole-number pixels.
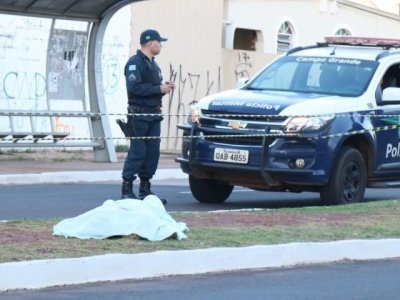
[{"x": 324, "y": 75}]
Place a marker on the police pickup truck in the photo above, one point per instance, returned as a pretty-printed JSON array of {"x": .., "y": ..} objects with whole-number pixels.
[{"x": 323, "y": 118}]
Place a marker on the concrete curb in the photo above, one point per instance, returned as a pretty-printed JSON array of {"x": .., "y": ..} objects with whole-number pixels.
[
  {"x": 81, "y": 176},
  {"x": 45, "y": 273}
]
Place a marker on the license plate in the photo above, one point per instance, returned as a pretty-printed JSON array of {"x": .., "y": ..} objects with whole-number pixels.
[{"x": 231, "y": 155}]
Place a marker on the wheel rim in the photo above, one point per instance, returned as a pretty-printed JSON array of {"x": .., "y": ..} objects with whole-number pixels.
[{"x": 351, "y": 182}]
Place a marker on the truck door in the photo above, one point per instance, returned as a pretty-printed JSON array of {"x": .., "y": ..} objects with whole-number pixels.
[{"x": 388, "y": 120}]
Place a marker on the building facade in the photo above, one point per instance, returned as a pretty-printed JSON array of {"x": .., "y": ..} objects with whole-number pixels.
[{"x": 213, "y": 43}]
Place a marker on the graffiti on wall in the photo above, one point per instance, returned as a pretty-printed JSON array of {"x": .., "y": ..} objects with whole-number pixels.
[
  {"x": 21, "y": 58},
  {"x": 111, "y": 75},
  {"x": 61, "y": 126},
  {"x": 191, "y": 86},
  {"x": 243, "y": 65},
  {"x": 24, "y": 85},
  {"x": 22, "y": 79}
]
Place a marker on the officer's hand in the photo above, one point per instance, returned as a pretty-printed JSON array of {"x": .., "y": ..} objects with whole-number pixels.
[
  {"x": 171, "y": 84},
  {"x": 165, "y": 88}
]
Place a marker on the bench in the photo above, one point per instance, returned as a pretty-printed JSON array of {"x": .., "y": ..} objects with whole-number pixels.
[{"x": 33, "y": 136}]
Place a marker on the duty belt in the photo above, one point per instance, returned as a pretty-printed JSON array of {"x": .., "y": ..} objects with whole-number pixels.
[{"x": 139, "y": 109}]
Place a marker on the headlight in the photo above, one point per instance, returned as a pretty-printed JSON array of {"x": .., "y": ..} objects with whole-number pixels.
[
  {"x": 299, "y": 124},
  {"x": 194, "y": 117}
]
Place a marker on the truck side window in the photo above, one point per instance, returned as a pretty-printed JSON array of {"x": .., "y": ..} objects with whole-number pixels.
[{"x": 391, "y": 78}]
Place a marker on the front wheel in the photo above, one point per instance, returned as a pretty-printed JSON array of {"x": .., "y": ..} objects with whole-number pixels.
[
  {"x": 348, "y": 179},
  {"x": 208, "y": 190}
]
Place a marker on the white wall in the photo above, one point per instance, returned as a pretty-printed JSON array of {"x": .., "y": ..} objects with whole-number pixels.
[
  {"x": 191, "y": 57},
  {"x": 311, "y": 19},
  {"x": 115, "y": 55},
  {"x": 391, "y": 6}
]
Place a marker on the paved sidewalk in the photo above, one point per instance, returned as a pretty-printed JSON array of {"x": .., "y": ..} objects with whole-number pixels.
[
  {"x": 13, "y": 166},
  {"x": 39, "y": 171}
]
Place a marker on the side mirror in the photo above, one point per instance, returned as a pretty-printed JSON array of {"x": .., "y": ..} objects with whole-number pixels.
[
  {"x": 391, "y": 95},
  {"x": 241, "y": 82}
]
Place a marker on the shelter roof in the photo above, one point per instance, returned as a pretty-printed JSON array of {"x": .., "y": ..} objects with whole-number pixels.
[{"x": 84, "y": 10}]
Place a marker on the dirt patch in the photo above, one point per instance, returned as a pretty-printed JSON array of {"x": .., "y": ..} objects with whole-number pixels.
[
  {"x": 19, "y": 236},
  {"x": 254, "y": 219}
]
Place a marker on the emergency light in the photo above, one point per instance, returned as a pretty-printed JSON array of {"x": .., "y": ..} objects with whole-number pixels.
[{"x": 362, "y": 41}]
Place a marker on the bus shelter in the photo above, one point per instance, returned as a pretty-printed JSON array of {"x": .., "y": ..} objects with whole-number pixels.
[{"x": 96, "y": 13}]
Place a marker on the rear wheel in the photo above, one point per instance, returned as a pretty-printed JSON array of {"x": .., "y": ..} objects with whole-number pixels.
[
  {"x": 348, "y": 179},
  {"x": 209, "y": 190}
]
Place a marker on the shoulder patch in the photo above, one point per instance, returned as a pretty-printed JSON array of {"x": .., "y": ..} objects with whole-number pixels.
[{"x": 132, "y": 68}]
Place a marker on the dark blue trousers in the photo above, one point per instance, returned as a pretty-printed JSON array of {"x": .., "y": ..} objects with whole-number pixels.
[{"x": 143, "y": 155}]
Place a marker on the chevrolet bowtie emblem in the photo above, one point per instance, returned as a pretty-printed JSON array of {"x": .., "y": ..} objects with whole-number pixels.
[{"x": 237, "y": 125}]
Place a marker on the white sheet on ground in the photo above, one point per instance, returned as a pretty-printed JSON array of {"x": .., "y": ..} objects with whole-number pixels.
[{"x": 146, "y": 218}]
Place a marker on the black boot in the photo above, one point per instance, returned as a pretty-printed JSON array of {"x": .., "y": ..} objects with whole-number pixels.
[
  {"x": 127, "y": 192},
  {"x": 144, "y": 189}
]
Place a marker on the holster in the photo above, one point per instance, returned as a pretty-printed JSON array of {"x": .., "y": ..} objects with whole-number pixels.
[{"x": 126, "y": 128}]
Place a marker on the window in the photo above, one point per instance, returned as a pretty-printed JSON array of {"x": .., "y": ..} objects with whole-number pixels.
[
  {"x": 247, "y": 39},
  {"x": 391, "y": 78},
  {"x": 285, "y": 37},
  {"x": 343, "y": 31},
  {"x": 308, "y": 74}
]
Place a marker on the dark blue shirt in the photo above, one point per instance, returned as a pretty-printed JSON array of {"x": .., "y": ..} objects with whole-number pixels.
[{"x": 143, "y": 79}]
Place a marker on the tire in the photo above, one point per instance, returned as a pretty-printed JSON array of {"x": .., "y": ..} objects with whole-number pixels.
[
  {"x": 348, "y": 179},
  {"x": 208, "y": 190}
]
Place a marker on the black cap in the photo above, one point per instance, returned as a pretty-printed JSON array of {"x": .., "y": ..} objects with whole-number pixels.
[{"x": 151, "y": 35}]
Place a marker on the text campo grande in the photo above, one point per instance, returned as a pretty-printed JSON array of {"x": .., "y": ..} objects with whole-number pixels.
[{"x": 333, "y": 60}]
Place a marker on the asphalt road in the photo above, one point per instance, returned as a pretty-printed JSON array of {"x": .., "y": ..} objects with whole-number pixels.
[
  {"x": 44, "y": 201},
  {"x": 350, "y": 280}
]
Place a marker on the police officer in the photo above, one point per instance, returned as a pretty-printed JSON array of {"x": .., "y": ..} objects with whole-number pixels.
[{"x": 145, "y": 89}]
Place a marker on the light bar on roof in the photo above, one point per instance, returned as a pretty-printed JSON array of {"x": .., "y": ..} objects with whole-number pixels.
[{"x": 354, "y": 40}]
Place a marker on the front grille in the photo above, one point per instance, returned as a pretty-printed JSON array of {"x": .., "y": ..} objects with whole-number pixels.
[
  {"x": 241, "y": 117},
  {"x": 214, "y": 123},
  {"x": 237, "y": 140}
]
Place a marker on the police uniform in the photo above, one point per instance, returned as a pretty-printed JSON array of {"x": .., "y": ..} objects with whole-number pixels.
[{"x": 143, "y": 80}]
